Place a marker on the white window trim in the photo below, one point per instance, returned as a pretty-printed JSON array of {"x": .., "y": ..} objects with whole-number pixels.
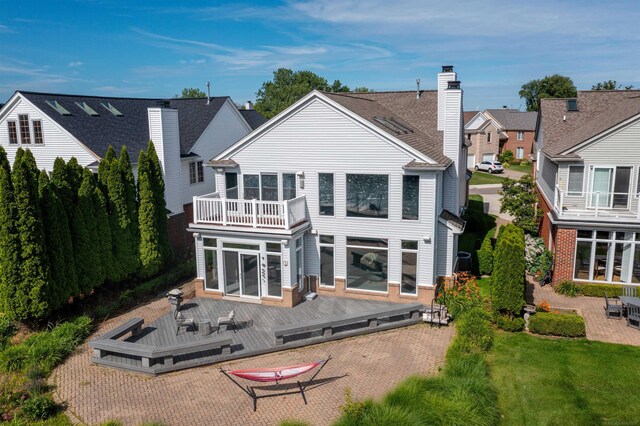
[
  {"x": 33, "y": 132},
  {"x": 266, "y": 256},
  {"x": 333, "y": 246},
  {"x": 334, "y": 193},
  {"x": 416, "y": 251},
  {"x": 575, "y": 194},
  {"x": 402, "y": 206},
  {"x": 17, "y": 142},
  {"x": 346, "y": 279},
  {"x": 520, "y": 135},
  {"x": 22, "y": 142},
  {"x": 611, "y": 240}
]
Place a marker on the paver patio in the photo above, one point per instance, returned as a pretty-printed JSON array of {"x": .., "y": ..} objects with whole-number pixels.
[
  {"x": 599, "y": 327},
  {"x": 369, "y": 365}
]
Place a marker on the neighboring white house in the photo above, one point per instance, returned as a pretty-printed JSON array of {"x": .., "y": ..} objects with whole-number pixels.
[
  {"x": 185, "y": 132},
  {"x": 588, "y": 178},
  {"x": 354, "y": 195}
]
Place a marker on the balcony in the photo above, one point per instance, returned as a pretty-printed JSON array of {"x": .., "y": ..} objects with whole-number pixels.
[
  {"x": 211, "y": 209},
  {"x": 603, "y": 205}
]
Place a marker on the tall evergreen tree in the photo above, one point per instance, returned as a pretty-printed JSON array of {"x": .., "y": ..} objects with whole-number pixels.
[
  {"x": 85, "y": 238},
  {"x": 158, "y": 186},
  {"x": 104, "y": 168},
  {"x": 10, "y": 273},
  {"x": 103, "y": 229},
  {"x": 131, "y": 196},
  {"x": 31, "y": 295},
  {"x": 150, "y": 251},
  {"x": 58, "y": 245},
  {"x": 60, "y": 179}
]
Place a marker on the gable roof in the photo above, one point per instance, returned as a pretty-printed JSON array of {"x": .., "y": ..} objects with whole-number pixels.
[
  {"x": 468, "y": 115},
  {"x": 419, "y": 116},
  {"x": 513, "y": 119},
  {"x": 598, "y": 111},
  {"x": 130, "y": 129}
]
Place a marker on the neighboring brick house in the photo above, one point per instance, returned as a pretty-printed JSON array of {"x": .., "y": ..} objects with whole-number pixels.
[
  {"x": 494, "y": 131},
  {"x": 185, "y": 132},
  {"x": 588, "y": 177}
]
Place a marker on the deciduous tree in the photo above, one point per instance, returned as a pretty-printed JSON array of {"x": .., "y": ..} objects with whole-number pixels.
[
  {"x": 191, "y": 92},
  {"x": 611, "y": 85},
  {"x": 552, "y": 86},
  {"x": 520, "y": 200}
]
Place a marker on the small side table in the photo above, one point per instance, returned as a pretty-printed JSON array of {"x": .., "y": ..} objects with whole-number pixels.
[{"x": 204, "y": 327}]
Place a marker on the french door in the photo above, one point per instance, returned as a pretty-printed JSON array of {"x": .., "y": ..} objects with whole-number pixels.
[
  {"x": 241, "y": 274},
  {"x": 610, "y": 187}
]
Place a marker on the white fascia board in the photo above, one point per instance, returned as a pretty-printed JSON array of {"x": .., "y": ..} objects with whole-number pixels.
[
  {"x": 19, "y": 96},
  {"x": 471, "y": 121},
  {"x": 345, "y": 111},
  {"x": 607, "y": 132}
]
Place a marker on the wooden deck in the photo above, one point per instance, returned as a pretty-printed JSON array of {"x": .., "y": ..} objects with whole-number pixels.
[{"x": 255, "y": 333}]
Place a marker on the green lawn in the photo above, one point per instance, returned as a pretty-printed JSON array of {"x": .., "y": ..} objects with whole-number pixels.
[
  {"x": 521, "y": 168},
  {"x": 484, "y": 178},
  {"x": 543, "y": 381}
]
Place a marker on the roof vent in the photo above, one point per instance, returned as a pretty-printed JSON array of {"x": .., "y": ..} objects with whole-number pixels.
[
  {"x": 59, "y": 108},
  {"x": 453, "y": 84},
  {"x": 417, "y": 88},
  {"x": 447, "y": 68},
  {"x": 112, "y": 109},
  {"x": 572, "y": 105},
  {"x": 86, "y": 108}
]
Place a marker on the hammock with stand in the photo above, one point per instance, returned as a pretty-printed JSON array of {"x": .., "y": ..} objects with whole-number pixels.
[{"x": 275, "y": 375}]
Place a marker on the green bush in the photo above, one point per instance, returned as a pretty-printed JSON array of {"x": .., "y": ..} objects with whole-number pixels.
[
  {"x": 485, "y": 254},
  {"x": 475, "y": 334},
  {"x": 568, "y": 288},
  {"x": 507, "y": 281},
  {"x": 506, "y": 157},
  {"x": 567, "y": 325},
  {"x": 508, "y": 323},
  {"x": 597, "y": 290},
  {"x": 39, "y": 407},
  {"x": 14, "y": 358},
  {"x": 462, "y": 296}
]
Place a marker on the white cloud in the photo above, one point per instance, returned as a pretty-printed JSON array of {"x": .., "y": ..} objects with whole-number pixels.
[{"x": 75, "y": 64}]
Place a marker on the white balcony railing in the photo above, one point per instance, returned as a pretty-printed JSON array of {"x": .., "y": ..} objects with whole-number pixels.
[
  {"x": 596, "y": 204},
  {"x": 211, "y": 209}
]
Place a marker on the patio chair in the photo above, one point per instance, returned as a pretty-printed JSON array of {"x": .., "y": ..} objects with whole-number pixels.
[
  {"x": 628, "y": 290},
  {"x": 633, "y": 316},
  {"x": 228, "y": 320},
  {"x": 184, "y": 321},
  {"x": 612, "y": 307}
]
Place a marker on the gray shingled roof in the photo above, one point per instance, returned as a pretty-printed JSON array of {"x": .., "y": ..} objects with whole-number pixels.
[
  {"x": 513, "y": 119},
  {"x": 421, "y": 115},
  {"x": 132, "y": 129},
  {"x": 253, "y": 117},
  {"x": 597, "y": 112}
]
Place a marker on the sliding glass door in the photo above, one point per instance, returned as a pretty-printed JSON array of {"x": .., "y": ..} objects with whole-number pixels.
[{"x": 601, "y": 182}]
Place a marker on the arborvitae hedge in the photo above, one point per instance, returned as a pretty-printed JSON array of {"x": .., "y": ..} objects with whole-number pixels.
[
  {"x": 150, "y": 250},
  {"x": 32, "y": 293},
  {"x": 485, "y": 254},
  {"x": 10, "y": 273},
  {"x": 508, "y": 279},
  {"x": 157, "y": 183},
  {"x": 58, "y": 245},
  {"x": 103, "y": 229}
]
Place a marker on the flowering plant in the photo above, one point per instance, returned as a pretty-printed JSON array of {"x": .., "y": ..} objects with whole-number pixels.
[{"x": 461, "y": 296}]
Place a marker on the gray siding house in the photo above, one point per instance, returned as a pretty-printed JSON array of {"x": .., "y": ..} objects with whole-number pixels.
[
  {"x": 588, "y": 177},
  {"x": 354, "y": 195}
]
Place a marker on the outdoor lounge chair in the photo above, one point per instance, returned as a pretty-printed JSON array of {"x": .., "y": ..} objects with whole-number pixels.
[
  {"x": 228, "y": 320},
  {"x": 183, "y": 321},
  {"x": 612, "y": 306},
  {"x": 633, "y": 316}
]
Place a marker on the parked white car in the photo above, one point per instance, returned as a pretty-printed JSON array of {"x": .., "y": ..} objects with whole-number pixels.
[{"x": 490, "y": 166}]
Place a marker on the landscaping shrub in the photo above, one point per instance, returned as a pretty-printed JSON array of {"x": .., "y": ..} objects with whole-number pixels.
[
  {"x": 567, "y": 325},
  {"x": 506, "y": 157},
  {"x": 7, "y": 329},
  {"x": 508, "y": 323},
  {"x": 537, "y": 258},
  {"x": 568, "y": 288},
  {"x": 39, "y": 407},
  {"x": 507, "y": 281},
  {"x": 485, "y": 254},
  {"x": 475, "y": 334},
  {"x": 463, "y": 295},
  {"x": 597, "y": 290}
]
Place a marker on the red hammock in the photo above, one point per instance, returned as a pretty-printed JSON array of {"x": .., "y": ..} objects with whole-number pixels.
[{"x": 274, "y": 374}]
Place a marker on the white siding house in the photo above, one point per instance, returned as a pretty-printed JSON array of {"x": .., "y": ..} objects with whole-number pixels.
[
  {"x": 184, "y": 131},
  {"x": 341, "y": 194}
]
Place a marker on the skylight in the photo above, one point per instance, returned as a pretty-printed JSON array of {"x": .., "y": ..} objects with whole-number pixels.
[
  {"x": 86, "y": 108},
  {"x": 59, "y": 108},
  {"x": 393, "y": 125},
  {"x": 113, "y": 110},
  {"x": 572, "y": 105}
]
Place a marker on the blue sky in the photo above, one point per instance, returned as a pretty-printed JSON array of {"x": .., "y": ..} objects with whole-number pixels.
[{"x": 154, "y": 49}]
